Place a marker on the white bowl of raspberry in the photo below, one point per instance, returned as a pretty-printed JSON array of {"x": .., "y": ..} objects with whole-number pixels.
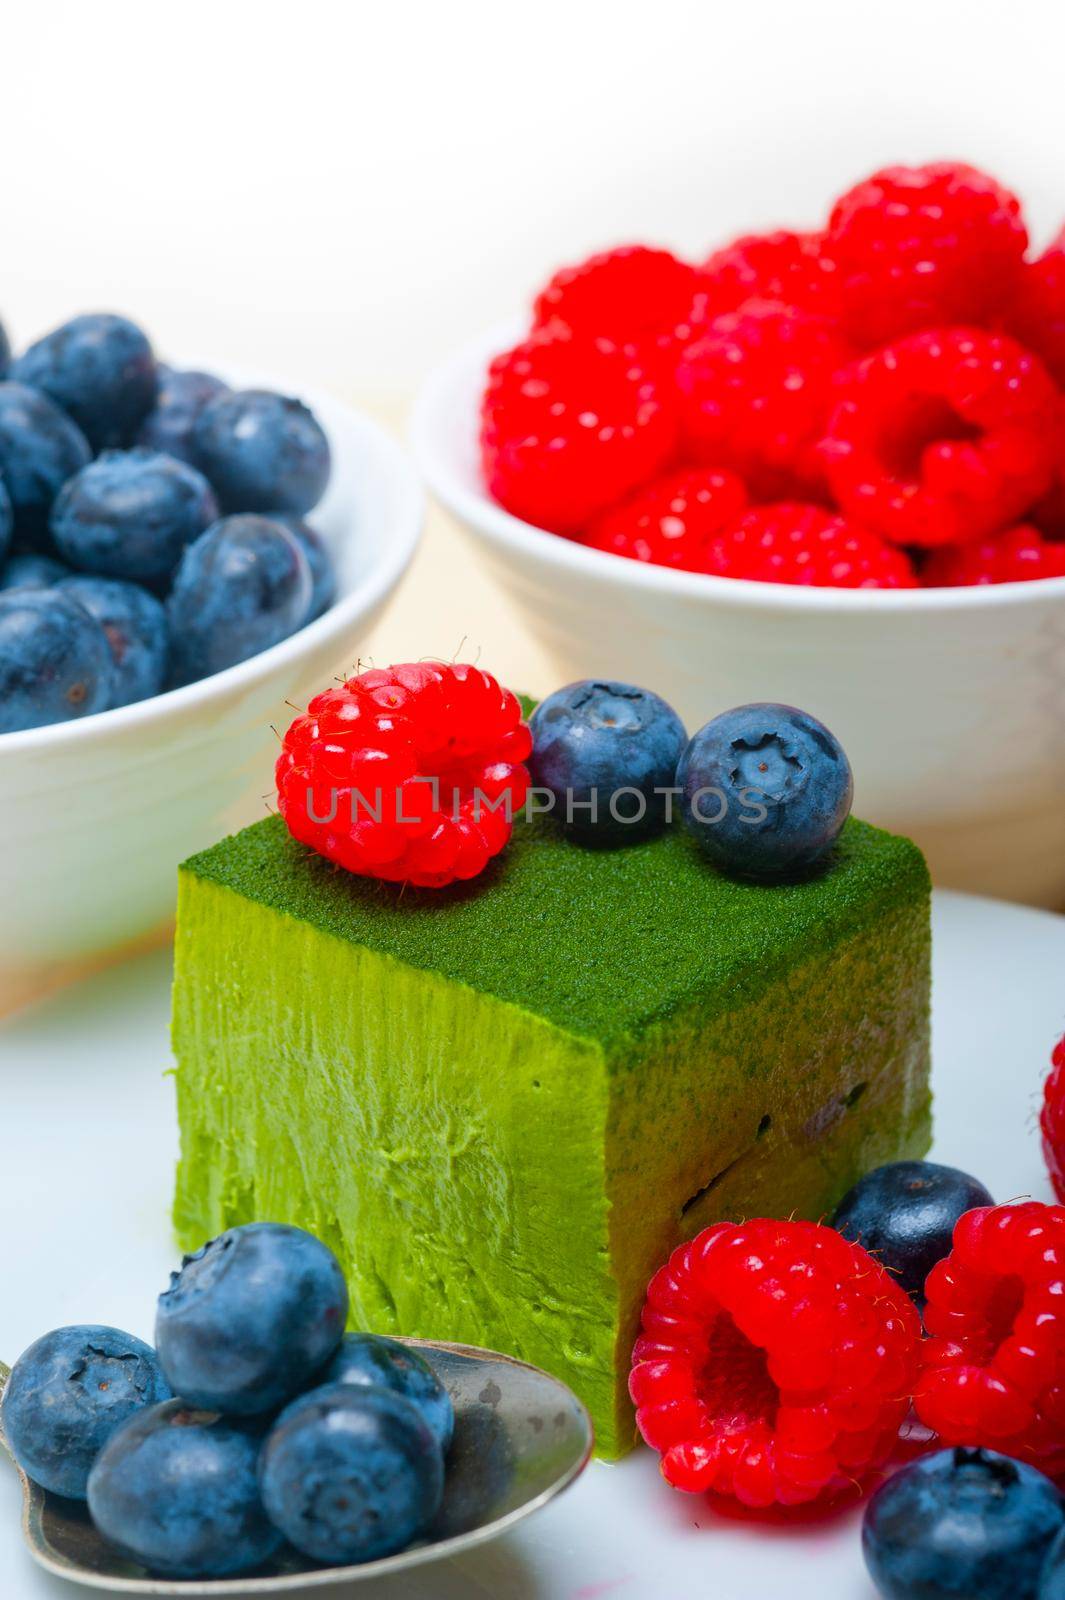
[
  {"x": 857, "y": 492},
  {"x": 98, "y": 812}
]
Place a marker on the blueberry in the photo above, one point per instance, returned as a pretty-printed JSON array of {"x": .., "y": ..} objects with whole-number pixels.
[
  {"x": 134, "y": 622},
  {"x": 262, "y": 452},
  {"x": 54, "y": 660},
  {"x": 1052, "y": 1579},
  {"x": 66, "y": 1396},
  {"x": 40, "y": 448},
  {"x": 368, "y": 1358},
  {"x": 7, "y": 521},
  {"x": 5, "y": 351},
  {"x": 904, "y": 1214},
  {"x": 100, "y": 369},
  {"x": 961, "y": 1525},
  {"x": 766, "y": 790},
  {"x": 244, "y": 585},
  {"x": 28, "y": 570},
  {"x": 179, "y": 401},
  {"x": 606, "y": 752},
  {"x": 351, "y": 1474},
  {"x": 130, "y": 514},
  {"x": 320, "y": 561},
  {"x": 176, "y": 1490},
  {"x": 250, "y": 1318}
]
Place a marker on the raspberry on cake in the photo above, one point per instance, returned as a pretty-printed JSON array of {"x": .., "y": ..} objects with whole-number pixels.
[
  {"x": 504, "y": 1104},
  {"x": 794, "y": 543},
  {"x": 1052, "y": 1120},
  {"x": 1016, "y": 556},
  {"x": 917, "y": 246},
  {"x": 410, "y": 775},
  {"x": 775, "y": 1363},
  {"x": 943, "y": 437},
  {"x": 755, "y": 393},
  {"x": 991, "y": 1368},
  {"x": 570, "y": 424},
  {"x": 672, "y": 520}
]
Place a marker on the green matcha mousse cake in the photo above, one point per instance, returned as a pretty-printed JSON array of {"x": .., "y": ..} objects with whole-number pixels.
[{"x": 503, "y": 1105}]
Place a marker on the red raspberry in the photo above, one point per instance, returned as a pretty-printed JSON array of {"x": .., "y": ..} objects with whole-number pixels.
[
  {"x": 943, "y": 437},
  {"x": 775, "y": 1364},
  {"x": 396, "y": 774},
  {"x": 993, "y": 1368},
  {"x": 794, "y": 543},
  {"x": 917, "y": 246},
  {"x": 632, "y": 295},
  {"x": 670, "y": 522},
  {"x": 569, "y": 426},
  {"x": 790, "y": 267},
  {"x": 1015, "y": 556},
  {"x": 1052, "y": 1120},
  {"x": 1036, "y": 315},
  {"x": 756, "y": 391}
]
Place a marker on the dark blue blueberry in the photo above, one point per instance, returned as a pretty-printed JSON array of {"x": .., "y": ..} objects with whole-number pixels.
[
  {"x": 7, "y": 521},
  {"x": 54, "y": 660},
  {"x": 28, "y": 570},
  {"x": 368, "y": 1358},
  {"x": 130, "y": 514},
  {"x": 904, "y": 1214},
  {"x": 66, "y": 1396},
  {"x": 244, "y": 585},
  {"x": 961, "y": 1525},
  {"x": 180, "y": 399},
  {"x": 100, "y": 369},
  {"x": 320, "y": 561},
  {"x": 351, "y": 1474},
  {"x": 5, "y": 351},
  {"x": 40, "y": 448},
  {"x": 607, "y": 752},
  {"x": 1052, "y": 1580},
  {"x": 262, "y": 452},
  {"x": 134, "y": 622},
  {"x": 766, "y": 790},
  {"x": 250, "y": 1318},
  {"x": 177, "y": 1491}
]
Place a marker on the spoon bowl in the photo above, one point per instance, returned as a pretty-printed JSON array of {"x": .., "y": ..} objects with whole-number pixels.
[{"x": 521, "y": 1437}]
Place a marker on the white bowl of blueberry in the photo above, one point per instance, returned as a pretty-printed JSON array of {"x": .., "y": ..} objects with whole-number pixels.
[{"x": 162, "y": 594}]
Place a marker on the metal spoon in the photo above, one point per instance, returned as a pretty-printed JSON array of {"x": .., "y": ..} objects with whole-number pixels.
[{"x": 521, "y": 1437}]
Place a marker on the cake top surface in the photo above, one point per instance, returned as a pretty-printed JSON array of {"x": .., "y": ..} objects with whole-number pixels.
[{"x": 601, "y": 943}]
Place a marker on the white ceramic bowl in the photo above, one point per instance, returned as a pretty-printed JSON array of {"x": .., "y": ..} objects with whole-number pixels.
[
  {"x": 95, "y": 815},
  {"x": 950, "y": 703}
]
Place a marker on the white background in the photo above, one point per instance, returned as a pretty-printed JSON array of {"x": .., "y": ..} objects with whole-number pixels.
[{"x": 341, "y": 192}]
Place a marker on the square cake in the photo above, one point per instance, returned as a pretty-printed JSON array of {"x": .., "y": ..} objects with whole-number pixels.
[{"x": 504, "y": 1104}]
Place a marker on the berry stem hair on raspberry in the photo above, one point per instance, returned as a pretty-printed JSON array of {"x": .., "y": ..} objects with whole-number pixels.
[
  {"x": 991, "y": 1369},
  {"x": 775, "y": 1363},
  {"x": 411, "y": 774}
]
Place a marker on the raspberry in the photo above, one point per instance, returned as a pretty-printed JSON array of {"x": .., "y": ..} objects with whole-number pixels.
[
  {"x": 396, "y": 774},
  {"x": 917, "y": 246},
  {"x": 775, "y": 1364},
  {"x": 993, "y": 1368},
  {"x": 1036, "y": 314},
  {"x": 1052, "y": 1120},
  {"x": 632, "y": 295},
  {"x": 670, "y": 522},
  {"x": 1015, "y": 556},
  {"x": 790, "y": 267},
  {"x": 756, "y": 391},
  {"x": 794, "y": 543},
  {"x": 569, "y": 426},
  {"x": 943, "y": 437}
]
